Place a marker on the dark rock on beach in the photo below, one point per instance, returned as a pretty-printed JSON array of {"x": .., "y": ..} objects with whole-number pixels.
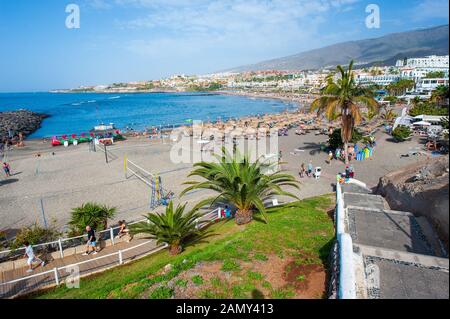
[{"x": 21, "y": 121}]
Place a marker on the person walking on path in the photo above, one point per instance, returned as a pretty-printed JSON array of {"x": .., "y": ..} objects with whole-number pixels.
[
  {"x": 330, "y": 157},
  {"x": 310, "y": 169},
  {"x": 302, "y": 170},
  {"x": 91, "y": 243},
  {"x": 31, "y": 258},
  {"x": 7, "y": 169}
]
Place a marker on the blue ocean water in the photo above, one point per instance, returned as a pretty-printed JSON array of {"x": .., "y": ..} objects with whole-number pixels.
[{"x": 80, "y": 112}]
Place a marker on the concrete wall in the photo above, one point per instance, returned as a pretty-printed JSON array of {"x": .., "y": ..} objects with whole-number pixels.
[{"x": 422, "y": 198}]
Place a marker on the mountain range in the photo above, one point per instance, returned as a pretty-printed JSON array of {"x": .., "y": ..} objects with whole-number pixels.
[{"x": 381, "y": 51}]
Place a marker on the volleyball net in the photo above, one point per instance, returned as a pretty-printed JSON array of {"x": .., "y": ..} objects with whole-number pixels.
[{"x": 159, "y": 195}]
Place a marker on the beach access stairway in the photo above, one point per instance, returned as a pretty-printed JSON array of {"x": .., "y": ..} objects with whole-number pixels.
[{"x": 396, "y": 255}]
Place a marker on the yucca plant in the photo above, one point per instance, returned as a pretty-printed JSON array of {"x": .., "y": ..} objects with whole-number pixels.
[
  {"x": 241, "y": 183},
  {"x": 388, "y": 115},
  {"x": 174, "y": 227},
  {"x": 343, "y": 98},
  {"x": 92, "y": 214}
]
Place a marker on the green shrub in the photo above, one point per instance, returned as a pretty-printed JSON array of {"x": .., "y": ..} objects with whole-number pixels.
[
  {"x": 230, "y": 265},
  {"x": 175, "y": 227},
  {"x": 427, "y": 109},
  {"x": 401, "y": 133},
  {"x": 181, "y": 283},
  {"x": 335, "y": 139},
  {"x": 262, "y": 257},
  {"x": 197, "y": 280},
  {"x": 162, "y": 292},
  {"x": 253, "y": 275},
  {"x": 92, "y": 214},
  {"x": 282, "y": 294},
  {"x": 35, "y": 234}
]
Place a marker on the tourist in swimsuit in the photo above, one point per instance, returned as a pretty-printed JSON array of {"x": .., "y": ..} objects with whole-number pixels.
[
  {"x": 123, "y": 230},
  {"x": 7, "y": 169}
]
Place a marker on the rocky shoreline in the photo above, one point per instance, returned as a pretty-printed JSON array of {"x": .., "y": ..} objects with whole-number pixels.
[{"x": 20, "y": 121}]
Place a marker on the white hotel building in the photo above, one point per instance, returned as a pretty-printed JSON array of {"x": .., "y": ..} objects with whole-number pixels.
[{"x": 417, "y": 68}]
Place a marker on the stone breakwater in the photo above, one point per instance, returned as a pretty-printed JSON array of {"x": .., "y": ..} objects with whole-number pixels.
[{"x": 21, "y": 121}]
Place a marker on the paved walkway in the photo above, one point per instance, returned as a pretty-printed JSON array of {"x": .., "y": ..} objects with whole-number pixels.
[
  {"x": 91, "y": 264},
  {"x": 397, "y": 255}
]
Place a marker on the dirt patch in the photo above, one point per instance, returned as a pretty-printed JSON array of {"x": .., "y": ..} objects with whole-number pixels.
[
  {"x": 309, "y": 280},
  {"x": 254, "y": 279}
]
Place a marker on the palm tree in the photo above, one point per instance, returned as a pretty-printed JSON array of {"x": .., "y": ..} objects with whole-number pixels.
[
  {"x": 241, "y": 183},
  {"x": 343, "y": 99},
  {"x": 440, "y": 95},
  {"x": 388, "y": 115},
  {"x": 92, "y": 214},
  {"x": 416, "y": 101},
  {"x": 174, "y": 227}
]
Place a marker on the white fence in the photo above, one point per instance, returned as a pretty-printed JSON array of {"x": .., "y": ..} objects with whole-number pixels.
[
  {"x": 53, "y": 277},
  {"x": 65, "y": 243},
  {"x": 346, "y": 282}
]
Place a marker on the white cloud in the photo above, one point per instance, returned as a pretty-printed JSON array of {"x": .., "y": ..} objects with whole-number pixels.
[
  {"x": 431, "y": 9},
  {"x": 271, "y": 27},
  {"x": 100, "y": 4}
]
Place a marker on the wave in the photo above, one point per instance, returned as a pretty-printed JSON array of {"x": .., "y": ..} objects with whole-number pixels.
[{"x": 114, "y": 97}]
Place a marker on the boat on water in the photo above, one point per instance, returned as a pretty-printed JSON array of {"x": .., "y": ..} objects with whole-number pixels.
[
  {"x": 101, "y": 133},
  {"x": 103, "y": 127}
]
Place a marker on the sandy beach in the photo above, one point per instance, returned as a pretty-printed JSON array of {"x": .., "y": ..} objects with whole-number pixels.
[{"x": 54, "y": 184}]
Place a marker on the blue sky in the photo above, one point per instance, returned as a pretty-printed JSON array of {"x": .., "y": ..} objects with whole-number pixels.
[{"x": 127, "y": 40}]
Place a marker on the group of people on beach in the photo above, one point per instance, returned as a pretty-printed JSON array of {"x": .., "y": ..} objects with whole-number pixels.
[{"x": 308, "y": 170}]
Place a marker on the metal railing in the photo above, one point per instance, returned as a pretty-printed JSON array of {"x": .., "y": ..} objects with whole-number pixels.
[
  {"x": 65, "y": 243},
  {"x": 346, "y": 282},
  {"x": 55, "y": 277}
]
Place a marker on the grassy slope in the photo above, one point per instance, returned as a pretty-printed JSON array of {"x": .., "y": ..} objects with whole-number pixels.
[{"x": 305, "y": 227}]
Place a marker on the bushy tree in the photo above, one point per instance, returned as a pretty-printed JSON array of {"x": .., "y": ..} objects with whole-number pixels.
[
  {"x": 174, "y": 227},
  {"x": 240, "y": 182},
  {"x": 35, "y": 234},
  {"x": 427, "y": 109},
  {"x": 92, "y": 214},
  {"x": 335, "y": 139},
  {"x": 401, "y": 133}
]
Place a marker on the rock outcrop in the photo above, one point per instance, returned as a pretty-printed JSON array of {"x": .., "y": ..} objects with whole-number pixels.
[
  {"x": 421, "y": 188},
  {"x": 21, "y": 121}
]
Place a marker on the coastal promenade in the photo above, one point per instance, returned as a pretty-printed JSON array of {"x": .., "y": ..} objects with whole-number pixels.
[{"x": 18, "y": 282}]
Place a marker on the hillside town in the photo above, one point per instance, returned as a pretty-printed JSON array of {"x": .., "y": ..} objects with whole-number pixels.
[{"x": 421, "y": 76}]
